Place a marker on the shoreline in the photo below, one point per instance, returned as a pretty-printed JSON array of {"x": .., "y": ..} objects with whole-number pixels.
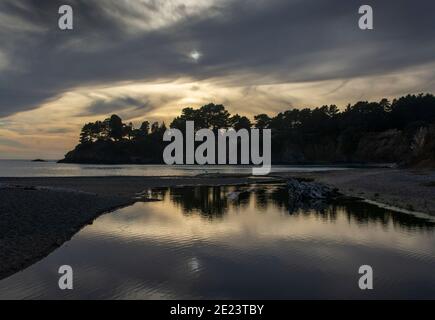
[
  {"x": 410, "y": 190},
  {"x": 38, "y": 215}
]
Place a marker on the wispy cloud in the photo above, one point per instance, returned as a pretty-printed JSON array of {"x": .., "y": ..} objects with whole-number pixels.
[{"x": 251, "y": 54}]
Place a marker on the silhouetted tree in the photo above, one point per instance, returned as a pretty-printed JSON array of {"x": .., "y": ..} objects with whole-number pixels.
[
  {"x": 214, "y": 116},
  {"x": 115, "y": 127},
  {"x": 145, "y": 127},
  {"x": 262, "y": 121},
  {"x": 238, "y": 122},
  {"x": 304, "y": 127},
  {"x": 154, "y": 127},
  {"x": 86, "y": 133},
  {"x": 127, "y": 131}
]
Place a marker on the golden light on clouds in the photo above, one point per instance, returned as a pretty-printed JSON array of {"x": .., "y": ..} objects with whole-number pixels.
[
  {"x": 147, "y": 60},
  {"x": 53, "y": 128}
]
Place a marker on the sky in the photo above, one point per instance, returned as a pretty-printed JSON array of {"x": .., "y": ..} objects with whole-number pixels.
[{"x": 149, "y": 59}]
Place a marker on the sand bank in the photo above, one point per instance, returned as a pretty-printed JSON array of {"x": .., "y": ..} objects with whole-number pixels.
[{"x": 37, "y": 215}]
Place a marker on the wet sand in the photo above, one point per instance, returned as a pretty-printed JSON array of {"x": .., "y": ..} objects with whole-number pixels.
[{"x": 37, "y": 215}]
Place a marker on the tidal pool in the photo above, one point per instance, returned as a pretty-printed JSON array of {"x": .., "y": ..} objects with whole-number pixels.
[{"x": 245, "y": 242}]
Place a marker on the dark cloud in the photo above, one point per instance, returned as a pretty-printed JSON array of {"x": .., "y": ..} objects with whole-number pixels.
[
  {"x": 105, "y": 107},
  {"x": 257, "y": 41}
]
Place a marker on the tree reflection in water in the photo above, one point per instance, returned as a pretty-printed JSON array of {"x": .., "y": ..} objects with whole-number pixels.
[{"x": 213, "y": 202}]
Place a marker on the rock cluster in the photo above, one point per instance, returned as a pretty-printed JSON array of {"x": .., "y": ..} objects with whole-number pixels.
[{"x": 304, "y": 191}]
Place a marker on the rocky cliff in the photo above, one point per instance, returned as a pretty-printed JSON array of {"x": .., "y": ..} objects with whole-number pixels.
[
  {"x": 414, "y": 147},
  {"x": 110, "y": 152}
]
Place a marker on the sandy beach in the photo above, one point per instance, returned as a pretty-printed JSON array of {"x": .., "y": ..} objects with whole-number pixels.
[{"x": 37, "y": 215}]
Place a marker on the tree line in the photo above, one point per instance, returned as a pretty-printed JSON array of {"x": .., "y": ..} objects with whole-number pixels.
[
  {"x": 113, "y": 129},
  {"x": 403, "y": 113}
]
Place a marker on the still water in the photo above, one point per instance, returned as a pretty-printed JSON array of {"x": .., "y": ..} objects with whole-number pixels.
[
  {"x": 238, "y": 242},
  {"x": 26, "y": 168}
]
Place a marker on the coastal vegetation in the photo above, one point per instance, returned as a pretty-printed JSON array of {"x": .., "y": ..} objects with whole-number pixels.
[{"x": 400, "y": 131}]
